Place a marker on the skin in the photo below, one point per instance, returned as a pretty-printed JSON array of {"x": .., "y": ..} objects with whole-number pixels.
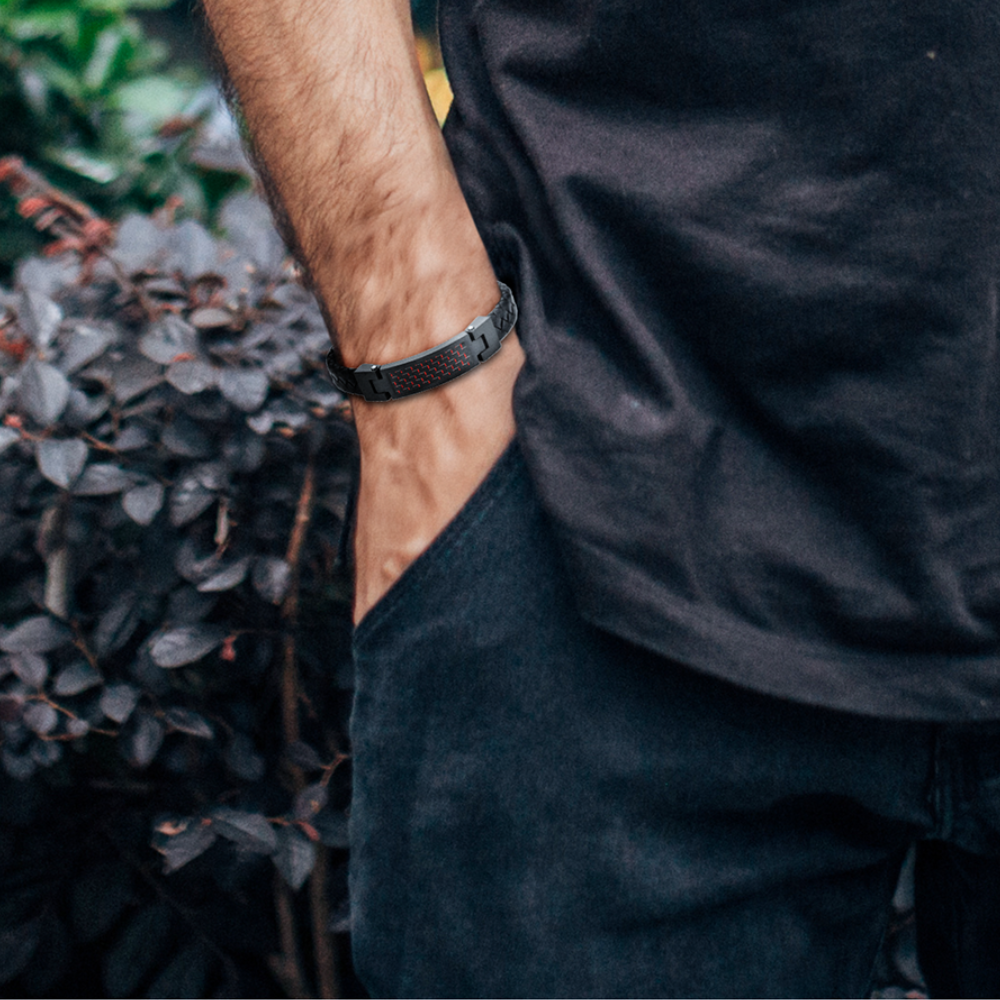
[{"x": 359, "y": 175}]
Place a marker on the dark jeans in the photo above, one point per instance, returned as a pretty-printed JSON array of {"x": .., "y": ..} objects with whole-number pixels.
[{"x": 544, "y": 810}]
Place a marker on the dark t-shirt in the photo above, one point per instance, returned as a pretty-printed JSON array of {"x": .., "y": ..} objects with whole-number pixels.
[{"x": 755, "y": 248}]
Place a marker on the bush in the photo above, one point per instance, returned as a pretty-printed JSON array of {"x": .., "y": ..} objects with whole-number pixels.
[
  {"x": 89, "y": 97},
  {"x": 173, "y": 613}
]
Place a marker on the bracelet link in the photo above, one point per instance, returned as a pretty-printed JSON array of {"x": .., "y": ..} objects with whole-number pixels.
[
  {"x": 372, "y": 384},
  {"x": 485, "y": 338},
  {"x": 477, "y": 343}
]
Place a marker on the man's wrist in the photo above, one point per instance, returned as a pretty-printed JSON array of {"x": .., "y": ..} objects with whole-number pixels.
[{"x": 473, "y": 346}]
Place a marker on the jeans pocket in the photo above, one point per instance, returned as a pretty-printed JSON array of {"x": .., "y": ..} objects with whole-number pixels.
[{"x": 433, "y": 563}]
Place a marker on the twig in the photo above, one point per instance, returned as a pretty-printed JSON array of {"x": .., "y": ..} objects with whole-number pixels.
[
  {"x": 325, "y": 957},
  {"x": 74, "y": 225},
  {"x": 290, "y": 608},
  {"x": 327, "y": 973},
  {"x": 287, "y": 967}
]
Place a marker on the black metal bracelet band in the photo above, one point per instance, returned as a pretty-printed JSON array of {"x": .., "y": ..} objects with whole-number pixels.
[{"x": 477, "y": 343}]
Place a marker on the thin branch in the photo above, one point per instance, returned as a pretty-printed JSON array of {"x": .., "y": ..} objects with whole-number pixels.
[
  {"x": 327, "y": 973},
  {"x": 287, "y": 967}
]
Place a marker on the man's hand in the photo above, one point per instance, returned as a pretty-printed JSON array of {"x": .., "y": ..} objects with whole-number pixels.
[
  {"x": 421, "y": 459},
  {"x": 334, "y": 99}
]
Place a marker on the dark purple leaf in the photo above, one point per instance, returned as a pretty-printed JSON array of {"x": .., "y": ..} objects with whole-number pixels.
[
  {"x": 247, "y": 222},
  {"x": 82, "y": 410},
  {"x": 249, "y": 830},
  {"x": 166, "y": 288},
  {"x": 242, "y": 759},
  {"x": 48, "y": 275},
  {"x": 190, "y": 566},
  {"x": 321, "y": 393},
  {"x": 132, "y": 438},
  {"x": 117, "y": 624},
  {"x": 167, "y": 338},
  {"x": 244, "y": 451},
  {"x": 180, "y": 848},
  {"x": 18, "y": 766},
  {"x": 77, "y": 727},
  {"x": 143, "y": 503},
  {"x": 39, "y": 634},
  {"x": 45, "y": 753},
  {"x": 290, "y": 413},
  {"x": 271, "y": 577},
  {"x": 40, "y": 317},
  {"x": 185, "y": 438},
  {"x": 188, "y": 722},
  {"x": 141, "y": 244},
  {"x": 186, "y": 606},
  {"x": 310, "y": 801},
  {"x": 190, "y": 377},
  {"x": 17, "y": 946},
  {"x": 61, "y": 460},
  {"x": 102, "y": 479},
  {"x": 194, "y": 252},
  {"x": 261, "y": 423},
  {"x": 144, "y": 739},
  {"x": 332, "y": 829},
  {"x": 40, "y": 718},
  {"x": 245, "y": 388},
  {"x": 186, "y": 975},
  {"x": 226, "y": 577},
  {"x": 303, "y": 755},
  {"x": 43, "y": 392},
  {"x": 7, "y": 437},
  {"x": 11, "y": 707},
  {"x": 189, "y": 499},
  {"x": 212, "y": 475},
  {"x": 188, "y": 644},
  {"x": 30, "y": 668},
  {"x": 99, "y": 898},
  {"x": 84, "y": 344},
  {"x": 137, "y": 951},
  {"x": 295, "y": 856},
  {"x": 135, "y": 376},
  {"x": 77, "y": 677},
  {"x": 211, "y": 318},
  {"x": 118, "y": 701}
]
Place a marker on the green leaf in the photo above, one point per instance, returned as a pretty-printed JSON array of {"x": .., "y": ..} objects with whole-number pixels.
[
  {"x": 59, "y": 22},
  {"x": 79, "y": 161},
  {"x": 150, "y": 101},
  {"x": 111, "y": 49},
  {"x": 122, "y": 6}
]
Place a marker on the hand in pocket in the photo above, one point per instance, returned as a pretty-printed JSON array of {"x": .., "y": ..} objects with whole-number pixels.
[{"x": 422, "y": 457}]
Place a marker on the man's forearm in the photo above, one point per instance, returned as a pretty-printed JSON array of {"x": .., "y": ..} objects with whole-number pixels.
[{"x": 333, "y": 97}]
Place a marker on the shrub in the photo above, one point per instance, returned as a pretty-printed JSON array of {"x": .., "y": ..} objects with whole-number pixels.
[
  {"x": 173, "y": 612},
  {"x": 89, "y": 97}
]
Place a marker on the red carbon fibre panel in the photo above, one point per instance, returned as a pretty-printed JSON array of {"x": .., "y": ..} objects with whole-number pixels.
[{"x": 431, "y": 371}]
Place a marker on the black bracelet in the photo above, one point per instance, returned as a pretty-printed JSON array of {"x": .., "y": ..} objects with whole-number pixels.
[{"x": 477, "y": 343}]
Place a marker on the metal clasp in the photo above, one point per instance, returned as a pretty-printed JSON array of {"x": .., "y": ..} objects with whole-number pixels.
[
  {"x": 372, "y": 384},
  {"x": 485, "y": 338}
]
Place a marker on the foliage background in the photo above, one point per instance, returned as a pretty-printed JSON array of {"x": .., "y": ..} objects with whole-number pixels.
[{"x": 174, "y": 474}]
